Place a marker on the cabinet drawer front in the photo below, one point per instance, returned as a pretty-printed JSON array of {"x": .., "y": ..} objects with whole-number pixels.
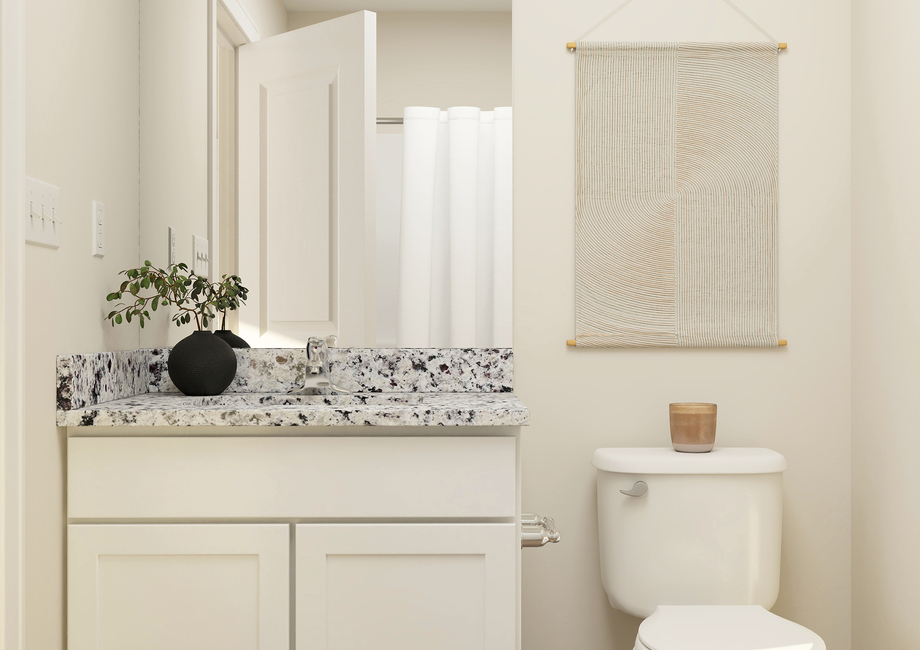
[{"x": 169, "y": 478}]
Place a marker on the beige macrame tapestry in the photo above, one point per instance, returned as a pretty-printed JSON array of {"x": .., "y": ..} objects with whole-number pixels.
[{"x": 676, "y": 191}]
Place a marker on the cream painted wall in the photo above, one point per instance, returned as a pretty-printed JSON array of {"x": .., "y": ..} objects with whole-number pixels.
[
  {"x": 271, "y": 16},
  {"x": 173, "y": 139},
  {"x": 886, "y": 318},
  {"x": 174, "y": 131},
  {"x": 794, "y": 400},
  {"x": 436, "y": 58},
  {"x": 81, "y": 135}
]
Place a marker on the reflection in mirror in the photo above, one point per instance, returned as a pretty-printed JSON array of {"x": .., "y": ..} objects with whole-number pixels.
[
  {"x": 386, "y": 232},
  {"x": 454, "y": 228}
]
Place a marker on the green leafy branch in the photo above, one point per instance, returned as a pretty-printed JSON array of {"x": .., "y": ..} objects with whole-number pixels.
[
  {"x": 194, "y": 295},
  {"x": 227, "y": 295}
]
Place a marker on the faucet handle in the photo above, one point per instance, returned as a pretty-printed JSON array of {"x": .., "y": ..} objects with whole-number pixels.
[
  {"x": 316, "y": 352},
  {"x": 332, "y": 341}
]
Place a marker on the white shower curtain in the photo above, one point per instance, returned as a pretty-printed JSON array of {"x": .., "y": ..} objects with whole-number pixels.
[{"x": 455, "y": 229}]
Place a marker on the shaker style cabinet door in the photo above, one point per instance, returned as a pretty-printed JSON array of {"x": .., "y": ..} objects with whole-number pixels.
[
  {"x": 182, "y": 587},
  {"x": 405, "y": 586}
]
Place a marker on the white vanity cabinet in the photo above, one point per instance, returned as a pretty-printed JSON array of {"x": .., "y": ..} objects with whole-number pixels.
[{"x": 258, "y": 540}]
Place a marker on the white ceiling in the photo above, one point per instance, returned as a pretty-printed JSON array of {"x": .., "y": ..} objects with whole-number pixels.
[{"x": 398, "y": 5}]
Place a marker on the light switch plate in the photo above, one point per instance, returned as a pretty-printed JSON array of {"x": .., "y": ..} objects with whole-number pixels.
[
  {"x": 42, "y": 213},
  {"x": 202, "y": 263},
  {"x": 98, "y": 229},
  {"x": 172, "y": 245}
]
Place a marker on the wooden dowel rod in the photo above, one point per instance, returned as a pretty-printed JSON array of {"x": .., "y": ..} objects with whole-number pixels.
[
  {"x": 572, "y": 343},
  {"x": 571, "y": 45}
]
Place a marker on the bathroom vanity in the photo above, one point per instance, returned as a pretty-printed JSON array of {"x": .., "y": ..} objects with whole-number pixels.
[{"x": 257, "y": 519}]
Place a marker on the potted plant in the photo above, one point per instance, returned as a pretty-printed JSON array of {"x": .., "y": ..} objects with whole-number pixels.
[
  {"x": 201, "y": 363},
  {"x": 228, "y": 294}
]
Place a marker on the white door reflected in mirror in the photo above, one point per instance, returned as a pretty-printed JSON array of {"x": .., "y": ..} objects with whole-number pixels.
[
  {"x": 328, "y": 232},
  {"x": 306, "y": 218}
]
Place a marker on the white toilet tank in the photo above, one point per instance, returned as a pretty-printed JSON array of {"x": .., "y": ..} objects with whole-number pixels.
[{"x": 707, "y": 531}]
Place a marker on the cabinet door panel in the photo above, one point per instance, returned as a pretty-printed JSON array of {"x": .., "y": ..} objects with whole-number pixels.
[
  {"x": 405, "y": 586},
  {"x": 178, "y": 587}
]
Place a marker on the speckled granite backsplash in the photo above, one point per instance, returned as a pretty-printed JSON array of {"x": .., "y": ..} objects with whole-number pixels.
[{"x": 88, "y": 379}]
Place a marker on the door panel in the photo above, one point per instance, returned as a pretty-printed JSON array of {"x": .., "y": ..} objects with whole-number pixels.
[
  {"x": 307, "y": 104},
  {"x": 296, "y": 159},
  {"x": 405, "y": 586},
  {"x": 182, "y": 587}
]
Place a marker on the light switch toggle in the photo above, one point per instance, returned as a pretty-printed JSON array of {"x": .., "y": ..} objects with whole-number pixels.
[
  {"x": 98, "y": 229},
  {"x": 42, "y": 213},
  {"x": 201, "y": 259},
  {"x": 172, "y": 245}
]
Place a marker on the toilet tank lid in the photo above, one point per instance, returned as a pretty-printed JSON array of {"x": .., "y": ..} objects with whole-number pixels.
[{"x": 664, "y": 460}]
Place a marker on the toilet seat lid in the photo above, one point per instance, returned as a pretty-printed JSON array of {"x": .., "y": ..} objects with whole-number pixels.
[{"x": 724, "y": 627}]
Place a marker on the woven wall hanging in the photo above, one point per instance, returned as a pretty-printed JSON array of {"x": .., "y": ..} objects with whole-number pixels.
[
  {"x": 676, "y": 190},
  {"x": 676, "y": 193}
]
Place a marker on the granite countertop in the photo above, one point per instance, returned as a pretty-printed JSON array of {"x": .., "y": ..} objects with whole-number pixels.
[
  {"x": 391, "y": 387},
  {"x": 273, "y": 409}
]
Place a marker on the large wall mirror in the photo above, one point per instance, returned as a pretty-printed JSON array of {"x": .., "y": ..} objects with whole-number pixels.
[{"x": 359, "y": 171}]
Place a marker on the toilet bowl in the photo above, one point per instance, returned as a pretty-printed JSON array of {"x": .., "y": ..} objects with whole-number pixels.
[{"x": 722, "y": 627}]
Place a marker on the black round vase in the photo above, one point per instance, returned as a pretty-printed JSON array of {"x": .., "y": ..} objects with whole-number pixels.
[
  {"x": 202, "y": 364},
  {"x": 232, "y": 339}
]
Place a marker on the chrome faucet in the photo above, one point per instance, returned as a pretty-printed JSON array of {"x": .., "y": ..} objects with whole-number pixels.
[{"x": 317, "y": 371}]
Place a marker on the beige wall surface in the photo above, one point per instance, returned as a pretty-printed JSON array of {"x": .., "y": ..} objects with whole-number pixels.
[
  {"x": 81, "y": 135},
  {"x": 794, "y": 400},
  {"x": 173, "y": 140},
  {"x": 886, "y": 319},
  {"x": 270, "y": 15},
  {"x": 174, "y": 132},
  {"x": 436, "y": 58}
]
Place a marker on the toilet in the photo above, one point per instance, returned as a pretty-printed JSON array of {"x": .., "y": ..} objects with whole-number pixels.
[{"x": 691, "y": 543}]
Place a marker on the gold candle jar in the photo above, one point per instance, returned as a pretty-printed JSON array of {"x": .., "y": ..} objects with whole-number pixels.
[{"x": 693, "y": 426}]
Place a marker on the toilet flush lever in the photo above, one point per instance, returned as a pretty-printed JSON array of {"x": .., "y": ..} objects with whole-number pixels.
[{"x": 640, "y": 489}]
